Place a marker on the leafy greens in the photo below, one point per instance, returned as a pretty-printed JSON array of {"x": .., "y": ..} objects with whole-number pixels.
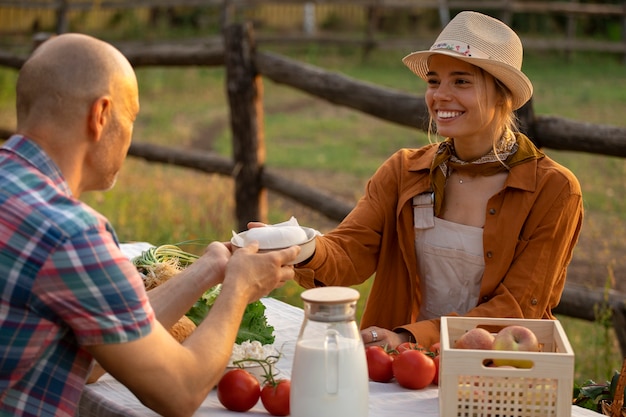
[{"x": 253, "y": 324}]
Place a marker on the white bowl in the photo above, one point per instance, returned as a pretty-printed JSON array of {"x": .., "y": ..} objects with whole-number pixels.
[{"x": 307, "y": 247}]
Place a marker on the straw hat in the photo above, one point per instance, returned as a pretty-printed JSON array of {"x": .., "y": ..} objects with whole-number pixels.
[{"x": 482, "y": 41}]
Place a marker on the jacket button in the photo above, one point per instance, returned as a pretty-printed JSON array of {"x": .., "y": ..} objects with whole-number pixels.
[
  {"x": 485, "y": 298},
  {"x": 534, "y": 301},
  {"x": 492, "y": 211},
  {"x": 489, "y": 254}
]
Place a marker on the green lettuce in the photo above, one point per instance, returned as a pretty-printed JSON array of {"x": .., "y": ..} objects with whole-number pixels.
[{"x": 253, "y": 325}]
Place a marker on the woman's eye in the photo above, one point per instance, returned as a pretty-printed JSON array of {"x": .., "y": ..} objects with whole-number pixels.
[{"x": 432, "y": 81}]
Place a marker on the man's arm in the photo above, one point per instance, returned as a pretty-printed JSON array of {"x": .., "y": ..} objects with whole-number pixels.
[
  {"x": 174, "y": 379},
  {"x": 172, "y": 299}
]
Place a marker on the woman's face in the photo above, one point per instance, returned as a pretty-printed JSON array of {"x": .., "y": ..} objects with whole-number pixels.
[{"x": 462, "y": 100}]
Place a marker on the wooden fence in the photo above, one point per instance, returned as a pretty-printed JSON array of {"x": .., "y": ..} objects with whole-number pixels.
[
  {"x": 311, "y": 14},
  {"x": 244, "y": 68}
]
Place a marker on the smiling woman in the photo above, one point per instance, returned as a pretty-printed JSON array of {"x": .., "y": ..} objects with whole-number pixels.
[{"x": 481, "y": 224}]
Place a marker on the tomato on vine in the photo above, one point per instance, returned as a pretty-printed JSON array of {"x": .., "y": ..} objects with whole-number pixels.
[
  {"x": 238, "y": 390},
  {"x": 274, "y": 392},
  {"x": 414, "y": 369},
  {"x": 436, "y": 359},
  {"x": 275, "y": 397},
  {"x": 408, "y": 346},
  {"x": 435, "y": 350},
  {"x": 379, "y": 364}
]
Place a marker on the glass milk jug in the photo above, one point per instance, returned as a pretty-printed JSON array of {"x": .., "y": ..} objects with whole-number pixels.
[{"x": 329, "y": 376}]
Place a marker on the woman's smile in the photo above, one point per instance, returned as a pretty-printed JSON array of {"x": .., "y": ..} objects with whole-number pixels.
[{"x": 448, "y": 114}]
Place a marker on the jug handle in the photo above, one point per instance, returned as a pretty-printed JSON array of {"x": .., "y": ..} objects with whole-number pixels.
[{"x": 331, "y": 353}]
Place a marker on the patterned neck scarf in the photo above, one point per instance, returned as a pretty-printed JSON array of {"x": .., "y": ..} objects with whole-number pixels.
[{"x": 511, "y": 150}]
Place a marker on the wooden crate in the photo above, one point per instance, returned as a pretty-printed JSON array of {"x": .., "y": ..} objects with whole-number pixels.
[{"x": 469, "y": 388}]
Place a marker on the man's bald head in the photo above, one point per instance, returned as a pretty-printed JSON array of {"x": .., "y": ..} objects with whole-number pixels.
[
  {"x": 65, "y": 75},
  {"x": 77, "y": 99}
]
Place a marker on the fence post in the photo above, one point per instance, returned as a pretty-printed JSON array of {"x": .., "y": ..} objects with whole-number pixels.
[
  {"x": 444, "y": 12},
  {"x": 309, "y": 20},
  {"x": 571, "y": 33},
  {"x": 61, "y": 14},
  {"x": 372, "y": 16},
  {"x": 507, "y": 12},
  {"x": 624, "y": 33},
  {"x": 244, "y": 89},
  {"x": 227, "y": 15}
]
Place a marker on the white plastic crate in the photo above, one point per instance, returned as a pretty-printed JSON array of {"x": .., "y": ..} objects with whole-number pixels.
[{"x": 468, "y": 388}]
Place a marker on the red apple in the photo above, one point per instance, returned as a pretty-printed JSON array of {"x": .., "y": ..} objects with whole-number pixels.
[
  {"x": 476, "y": 338},
  {"x": 517, "y": 339}
]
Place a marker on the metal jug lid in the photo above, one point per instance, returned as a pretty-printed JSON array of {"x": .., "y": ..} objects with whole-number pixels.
[{"x": 330, "y": 303}]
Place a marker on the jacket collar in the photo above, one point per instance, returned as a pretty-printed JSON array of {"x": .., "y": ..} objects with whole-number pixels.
[{"x": 522, "y": 176}]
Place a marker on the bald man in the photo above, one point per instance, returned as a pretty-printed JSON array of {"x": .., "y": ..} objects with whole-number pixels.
[{"x": 68, "y": 295}]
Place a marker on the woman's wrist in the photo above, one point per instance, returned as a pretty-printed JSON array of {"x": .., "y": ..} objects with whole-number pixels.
[{"x": 404, "y": 335}]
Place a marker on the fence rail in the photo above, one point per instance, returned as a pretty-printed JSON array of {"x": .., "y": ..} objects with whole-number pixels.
[
  {"x": 517, "y": 6},
  {"x": 370, "y": 12}
]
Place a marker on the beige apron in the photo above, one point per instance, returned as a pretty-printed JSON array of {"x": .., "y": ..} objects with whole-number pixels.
[{"x": 449, "y": 260}]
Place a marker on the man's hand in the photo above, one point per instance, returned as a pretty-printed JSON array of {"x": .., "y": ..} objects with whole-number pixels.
[{"x": 259, "y": 273}]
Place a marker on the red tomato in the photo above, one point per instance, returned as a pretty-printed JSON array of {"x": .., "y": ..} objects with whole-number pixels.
[
  {"x": 379, "y": 364},
  {"x": 435, "y": 350},
  {"x": 408, "y": 346},
  {"x": 275, "y": 397},
  {"x": 436, "y": 378},
  {"x": 413, "y": 369},
  {"x": 238, "y": 390}
]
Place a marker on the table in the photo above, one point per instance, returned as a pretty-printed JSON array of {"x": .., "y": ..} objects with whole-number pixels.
[{"x": 109, "y": 398}]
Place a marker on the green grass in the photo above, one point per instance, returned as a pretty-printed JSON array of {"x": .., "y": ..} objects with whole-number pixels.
[{"x": 337, "y": 149}]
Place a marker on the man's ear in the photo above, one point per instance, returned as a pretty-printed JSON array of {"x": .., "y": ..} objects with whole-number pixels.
[{"x": 99, "y": 116}]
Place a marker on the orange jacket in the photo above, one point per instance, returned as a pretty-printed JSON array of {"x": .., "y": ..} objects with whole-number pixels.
[{"x": 530, "y": 231}]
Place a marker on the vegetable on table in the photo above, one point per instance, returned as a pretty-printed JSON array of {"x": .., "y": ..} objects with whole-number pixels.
[
  {"x": 238, "y": 390},
  {"x": 379, "y": 364},
  {"x": 253, "y": 325},
  {"x": 275, "y": 392},
  {"x": 160, "y": 263},
  {"x": 591, "y": 395},
  {"x": 275, "y": 397},
  {"x": 414, "y": 369}
]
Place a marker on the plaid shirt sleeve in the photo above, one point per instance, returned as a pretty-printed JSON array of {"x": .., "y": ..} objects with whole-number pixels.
[{"x": 90, "y": 285}]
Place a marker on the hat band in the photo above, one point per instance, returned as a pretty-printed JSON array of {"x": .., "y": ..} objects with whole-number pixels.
[{"x": 460, "y": 48}]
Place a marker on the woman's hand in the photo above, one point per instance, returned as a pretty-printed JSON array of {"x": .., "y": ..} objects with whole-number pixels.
[{"x": 377, "y": 336}]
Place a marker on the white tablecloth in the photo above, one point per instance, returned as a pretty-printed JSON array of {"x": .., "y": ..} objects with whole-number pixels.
[{"x": 107, "y": 397}]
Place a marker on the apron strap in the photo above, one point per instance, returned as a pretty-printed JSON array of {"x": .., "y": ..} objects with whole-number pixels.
[{"x": 423, "y": 212}]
